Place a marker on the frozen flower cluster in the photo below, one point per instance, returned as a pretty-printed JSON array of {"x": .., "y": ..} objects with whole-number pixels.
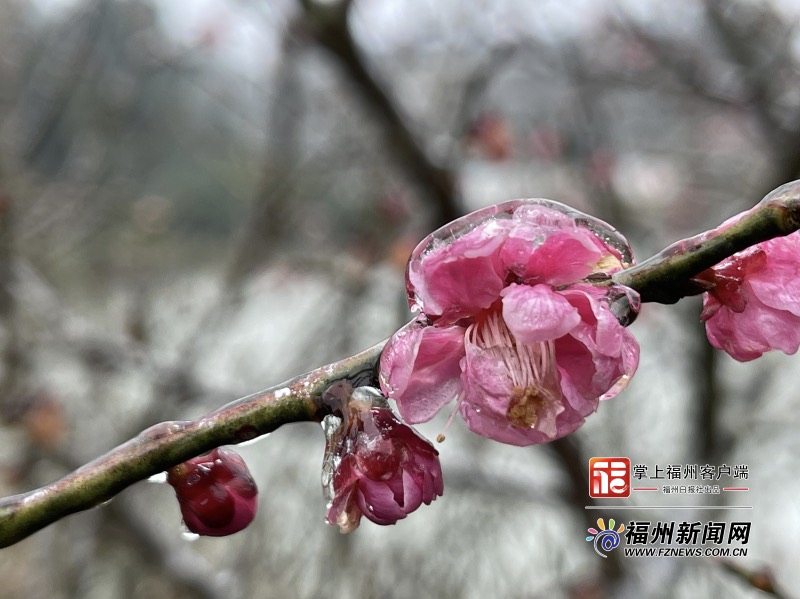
[
  {"x": 375, "y": 465},
  {"x": 520, "y": 321}
]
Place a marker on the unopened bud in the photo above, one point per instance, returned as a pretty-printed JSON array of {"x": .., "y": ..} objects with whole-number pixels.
[
  {"x": 216, "y": 493},
  {"x": 380, "y": 468}
]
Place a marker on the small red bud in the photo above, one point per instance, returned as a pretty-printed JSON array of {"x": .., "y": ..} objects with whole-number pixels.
[{"x": 216, "y": 493}]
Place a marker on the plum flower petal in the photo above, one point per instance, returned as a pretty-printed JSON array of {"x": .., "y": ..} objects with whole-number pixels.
[
  {"x": 494, "y": 406},
  {"x": 422, "y": 365},
  {"x": 531, "y": 354},
  {"x": 757, "y": 329},
  {"x": 562, "y": 258},
  {"x": 599, "y": 345},
  {"x": 754, "y": 303},
  {"x": 535, "y": 314},
  {"x": 467, "y": 273}
]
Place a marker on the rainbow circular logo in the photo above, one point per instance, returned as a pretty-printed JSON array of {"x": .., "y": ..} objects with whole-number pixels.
[{"x": 605, "y": 539}]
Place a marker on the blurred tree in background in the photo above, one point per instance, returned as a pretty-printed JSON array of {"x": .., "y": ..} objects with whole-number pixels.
[{"x": 200, "y": 199}]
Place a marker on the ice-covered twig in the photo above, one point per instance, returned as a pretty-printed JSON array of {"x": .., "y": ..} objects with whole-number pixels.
[
  {"x": 171, "y": 443},
  {"x": 669, "y": 275},
  {"x": 664, "y": 278}
]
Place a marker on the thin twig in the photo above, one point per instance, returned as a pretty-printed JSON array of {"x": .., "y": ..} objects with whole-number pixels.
[
  {"x": 329, "y": 27},
  {"x": 568, "y": 452},
  {"x": 668, "y": 276},
  {"x": 762, "y": 580}
]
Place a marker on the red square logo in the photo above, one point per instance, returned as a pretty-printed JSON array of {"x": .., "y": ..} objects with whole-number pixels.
[{"x": 609, "y": 477}]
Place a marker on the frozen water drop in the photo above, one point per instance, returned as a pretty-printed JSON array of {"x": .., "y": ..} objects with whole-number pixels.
[
  {"x": 282, "y": 393},
  {"x": 102, "y": 504},
  {"x": 188, "y": 535}
]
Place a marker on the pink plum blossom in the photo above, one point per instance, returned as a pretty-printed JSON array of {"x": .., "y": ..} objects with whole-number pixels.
[
  {"x": 384, "y": 470},
  {"x": 754, "y": 304},
  {"x": 216, "y": 493},
  {"x": 511, "y": 325}
]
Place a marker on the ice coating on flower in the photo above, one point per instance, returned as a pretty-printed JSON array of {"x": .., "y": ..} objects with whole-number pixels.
[
  {"x": 509, "y": 326},
  {"x": 461, "y": 268},
  {"x": 216, "y": 493},
  {"x": 754, "y": 304},
  {"x": 385, "y": 470}
]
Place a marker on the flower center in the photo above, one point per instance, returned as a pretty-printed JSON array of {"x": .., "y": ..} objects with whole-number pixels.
[
  {"x": 525, "y": 407},
  {"x": 536, "y": 398}
]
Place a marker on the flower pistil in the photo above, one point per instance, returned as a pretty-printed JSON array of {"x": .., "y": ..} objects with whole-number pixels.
[{"x": 531, "y": 368}]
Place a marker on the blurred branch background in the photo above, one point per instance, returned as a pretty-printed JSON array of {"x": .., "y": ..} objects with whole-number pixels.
[{"x": 200, "y": 199}]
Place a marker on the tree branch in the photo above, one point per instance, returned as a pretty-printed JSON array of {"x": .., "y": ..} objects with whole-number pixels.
[
  {"x": 663, "y": 278},
  {"x": 170, "y": 443},
  {"x": 668, "y": 276},
  {"x": 330, "y": 29}
]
